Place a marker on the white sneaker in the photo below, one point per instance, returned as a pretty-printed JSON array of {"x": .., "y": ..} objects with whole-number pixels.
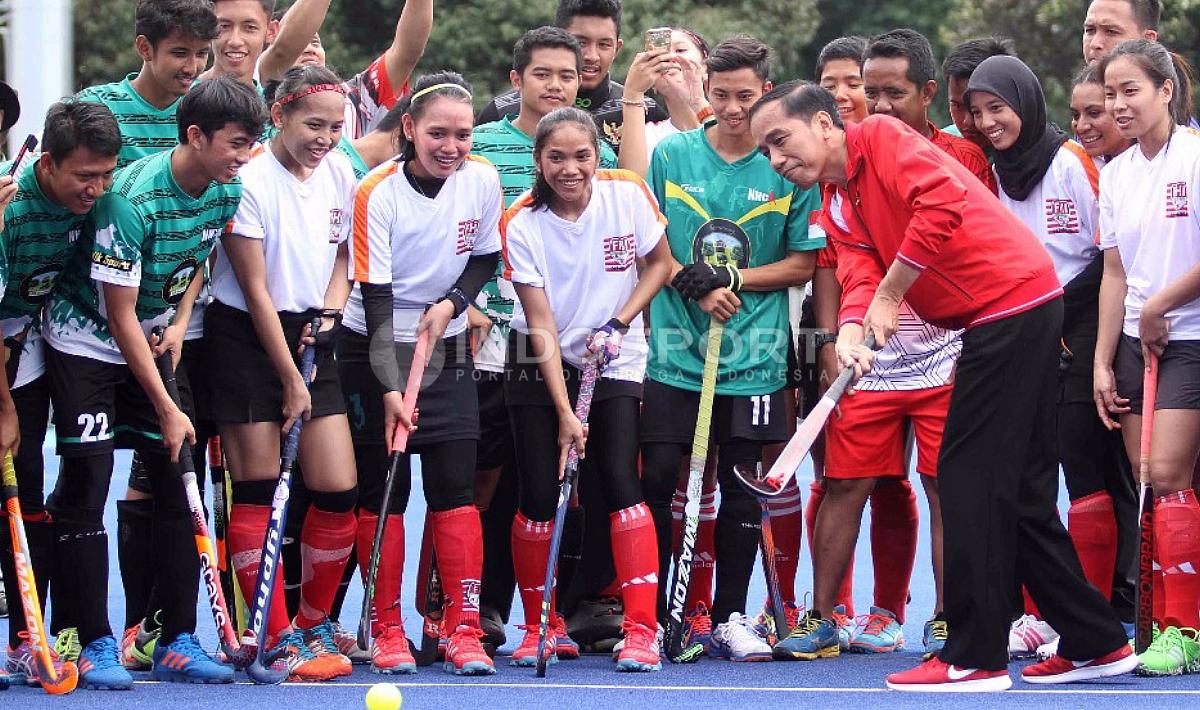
[
  {"x": 620, "y": 646},
  {"x": 1046, "y": 650},
  {"x": 736, "y": 640},
  {"x": 1027, "y": 634}
]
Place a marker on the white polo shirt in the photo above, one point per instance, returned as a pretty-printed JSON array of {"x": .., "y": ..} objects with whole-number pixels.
[
  {"x": 1063, "y": 210},
  {"x": 587, "y": 268},
  {"x": 1150, "y": 213},
  {"x": 420, "y": 245},
  {"x": 300, "y": 222}
]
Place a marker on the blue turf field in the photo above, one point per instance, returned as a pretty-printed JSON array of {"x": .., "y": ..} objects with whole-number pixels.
[{"x": 592, "y": 682}]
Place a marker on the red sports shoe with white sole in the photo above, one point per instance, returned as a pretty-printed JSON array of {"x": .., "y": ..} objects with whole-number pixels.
[
  {"x": 1057, "y": 669},
  {"x": 937, "y": 676}
]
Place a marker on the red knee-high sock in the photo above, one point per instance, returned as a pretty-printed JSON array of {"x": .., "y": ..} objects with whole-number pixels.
[
  {"x": 1092, "y": 525},
  {"x": 389, "y": 576},
  {"x": 244, "y": 538},
  {"x": 531, "y": 551},
  {"x": 325, "y": 546},
  {"x": 787, "y": 525},
  {"x": 636, "y": 562},
  {"x": 458, "y": 542},
  {"x": 1177, "y": 542},
  {"x": 893, "y": 543},
  {"x": 700, "y": 589},
  {"x": 845, "y": 595}
]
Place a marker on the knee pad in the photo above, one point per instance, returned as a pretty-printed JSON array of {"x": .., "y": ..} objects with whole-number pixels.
[
  {"x": 254, "y": 492},
  {"x": 337, "y": 502}
]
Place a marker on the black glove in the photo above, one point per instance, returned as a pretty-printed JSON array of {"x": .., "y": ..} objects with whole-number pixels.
[{"x": 696, "y": 280}]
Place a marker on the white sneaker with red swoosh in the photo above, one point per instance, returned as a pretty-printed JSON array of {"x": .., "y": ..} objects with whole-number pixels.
[
  {"x": 1057, "y": 669},
  {"x": 937, "y": 676}
]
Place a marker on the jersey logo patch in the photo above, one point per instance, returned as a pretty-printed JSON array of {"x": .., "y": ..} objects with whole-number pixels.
[
  {"x": 335, "y": 225},
  {"x": 619, "y": 252},
  {"x": 468, "y": 230},
  {"x": 1061, "y": 217},
  {"x": 753, "y": 195},
  {"x": 1177, "y": 199},
  {"x": 40, "y": 283},
  {"x": 179, "y": 280}
]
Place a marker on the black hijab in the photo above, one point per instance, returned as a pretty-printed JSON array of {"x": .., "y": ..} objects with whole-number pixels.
[{"x": 1022, "y": 166}]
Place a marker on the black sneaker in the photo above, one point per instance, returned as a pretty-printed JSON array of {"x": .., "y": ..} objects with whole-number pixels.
[{"x": 493, "y": 628}]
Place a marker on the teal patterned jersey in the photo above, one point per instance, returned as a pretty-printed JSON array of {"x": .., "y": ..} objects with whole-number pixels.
[
  {"x": 145, "y": 129},
  {"x": 145, "y": 233}
]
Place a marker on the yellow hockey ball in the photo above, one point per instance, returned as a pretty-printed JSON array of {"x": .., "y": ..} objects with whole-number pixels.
[{"x": 384, "y": 696}]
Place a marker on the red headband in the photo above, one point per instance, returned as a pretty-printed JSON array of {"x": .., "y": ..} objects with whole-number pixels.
[{"x": 315, "y": 88}]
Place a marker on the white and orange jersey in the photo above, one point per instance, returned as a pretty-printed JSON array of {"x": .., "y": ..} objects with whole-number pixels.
[
  {"x": 1063, "y": 210},
  {"x": 420, "y": 245},
  {"x": 301, "y": 224},
  {"x": 1150, "y": 213},
  {"x": 919, "y": 356},
  {"x": 587, "y": 268}
]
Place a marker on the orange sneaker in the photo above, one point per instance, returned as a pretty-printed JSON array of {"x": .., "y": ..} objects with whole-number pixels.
[
  {"x": 306, "y": 658},
  {"x": 641, "y": 652},
  {"x": 390, "y": 654},
  {"x": 525, "y": 654},
  {"x": 465, "y": 654}
]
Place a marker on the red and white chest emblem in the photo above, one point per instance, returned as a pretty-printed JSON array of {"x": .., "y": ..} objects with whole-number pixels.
[
  {"x": 619, "y": 252},
  {"x": 1177, "y": 199},
  {"x": 1061, "y": 217},
  {"x": 468, "y": 230},
  {"x": 336, "y": 217}
]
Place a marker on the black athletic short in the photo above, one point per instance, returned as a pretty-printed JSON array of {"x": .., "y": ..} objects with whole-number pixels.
[
  {"x": 669, "y": 415},
  {"x": 495, "y": 434},
  {"x": 100, "y": 406},
  {"x": 241, "y": 384},
  {"x": 1178, "y": 374},
  {"x": 525, "y": 386},
  {"x": 188, "y": 374},
  {"x": 448, "y": 405}
]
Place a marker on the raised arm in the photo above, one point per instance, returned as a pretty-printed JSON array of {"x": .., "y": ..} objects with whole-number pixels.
[{"x": 303, "y": 20}]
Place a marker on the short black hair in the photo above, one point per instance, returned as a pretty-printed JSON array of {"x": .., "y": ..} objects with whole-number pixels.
[
  {"x": 215, "y": 103},
  {"x": 445, "y": 83},
  {"x": 852, "y": 47},
  {"x": 391, "y": 119},
  {"x": 962, "y": 61},
  {"x": 1146, "y": 13},
  {"x": 570, "y": 9},
  {"x": 298, "y": 78},
  {"x": 544, "y": 38},
  {"x": 268, "y": 7},
  {"x": 158, "y": 19},
  {"x": 72, "y": 123},
  {"x": 740, "y": 52},
  {"x": 904, "y": 43},
  {"x": 801, "y": 99}
]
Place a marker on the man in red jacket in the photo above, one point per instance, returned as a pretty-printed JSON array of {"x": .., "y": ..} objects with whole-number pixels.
[{"x": 922, "y": 229}]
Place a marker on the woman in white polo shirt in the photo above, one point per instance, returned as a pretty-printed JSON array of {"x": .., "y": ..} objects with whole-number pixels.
[
  {"x": 282, "y": 261},
  {"x": 1051, "y": 183},
  {"x": 585, "y": 251},
  {"x": 1150, "y": 234},
  {"x": 425, "y": 240}
]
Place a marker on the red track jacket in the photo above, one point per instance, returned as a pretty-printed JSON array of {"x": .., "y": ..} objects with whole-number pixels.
[{"x": 907, "y": 199}]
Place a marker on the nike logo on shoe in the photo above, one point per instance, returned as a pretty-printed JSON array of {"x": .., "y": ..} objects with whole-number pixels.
[{"x": 956, "y": 673}]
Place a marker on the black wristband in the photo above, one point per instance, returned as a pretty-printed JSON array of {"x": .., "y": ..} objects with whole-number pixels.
[
  {"x": 617, "y": 325},
  {"x": 820, "y": 340},
  {"x": 458, "y": 299}
]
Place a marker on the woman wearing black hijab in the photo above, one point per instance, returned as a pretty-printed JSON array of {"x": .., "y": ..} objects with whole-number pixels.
[{"x": 1051, "y": 184}]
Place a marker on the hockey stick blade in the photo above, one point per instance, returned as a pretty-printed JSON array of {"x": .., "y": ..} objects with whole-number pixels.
[{"x": 772, "y": 483}]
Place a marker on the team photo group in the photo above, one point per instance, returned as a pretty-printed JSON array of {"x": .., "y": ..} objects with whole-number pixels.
[{"x": 603, "y": 324}]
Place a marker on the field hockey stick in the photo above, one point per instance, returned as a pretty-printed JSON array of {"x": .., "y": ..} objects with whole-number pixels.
[
  {"x": 681, "y": 575},
  {"x": 784, "y": 469},
  {"x": 24, "y": 155},
  {"x": 767, "y": 543},
  {"x": 583, "y": 405},
  {"x": 263, "y": 670},
  {"x": 1144, "y": 623},
  {"x": 430, "y": 598},
  {"x": 53, "y": 682},
  {"x": 217, "y": 474},
  {"x": 416, "y": 370},
  {"x": 204, "y": 546}
]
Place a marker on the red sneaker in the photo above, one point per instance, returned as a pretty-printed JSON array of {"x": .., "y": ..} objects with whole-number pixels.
[
  {"x": 526, "y": 652},
  {"x": 465, "y": 654},
  {"x": 566, "y": 648},
  {"x": 1057, "y": 669},
  {"x": 390, "y": 654},
  {"x": 937, "y": 676}
]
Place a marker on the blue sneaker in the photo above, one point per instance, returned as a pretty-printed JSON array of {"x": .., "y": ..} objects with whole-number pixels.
[
  {"x": 934, "y": 637},
  {"x": 183, "y": 661},
  {"x": 881, "y": 633},
  {"x": 100, "y": 666},
  {"x": 812, "y": 638}
]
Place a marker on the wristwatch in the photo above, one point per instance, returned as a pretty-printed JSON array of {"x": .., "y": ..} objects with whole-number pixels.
[{"x": 820, "y": 340}]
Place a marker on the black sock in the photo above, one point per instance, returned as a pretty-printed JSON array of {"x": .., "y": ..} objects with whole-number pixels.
[
  {"x": 81, "y": 578},
  {"x": 177, "y": 572},
  {"x": 135, "y": 542},
  {"x": 737, "y": 533},
  {"x": 298, "y": 505},
  {"x": 570, "y": 550}
]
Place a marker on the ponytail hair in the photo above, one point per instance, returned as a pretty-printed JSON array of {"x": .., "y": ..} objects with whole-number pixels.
[
  {"x": 446, "y": 83},
  {"x": 1159, "y": 65},
  {"x": 300, "y": 81},
  {"x": 542, "y": 192}
]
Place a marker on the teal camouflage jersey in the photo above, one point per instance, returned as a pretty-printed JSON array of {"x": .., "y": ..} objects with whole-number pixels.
[
  {"x": 511, "y": 151},
  {"x": 145, "y": 129},
  {"x": 39, "y": 236},
  {"x": 146, "y": 232}
]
